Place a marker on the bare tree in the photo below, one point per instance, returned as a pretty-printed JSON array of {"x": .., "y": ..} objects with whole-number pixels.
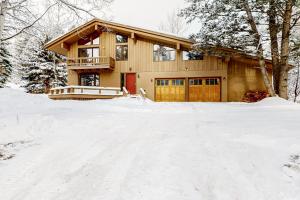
[
  {"x": 174, "y": 24},
  {"x": 27, "y": 17}
]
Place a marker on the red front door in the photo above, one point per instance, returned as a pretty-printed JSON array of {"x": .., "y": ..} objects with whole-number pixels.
[{"x": 131, "y": 83}]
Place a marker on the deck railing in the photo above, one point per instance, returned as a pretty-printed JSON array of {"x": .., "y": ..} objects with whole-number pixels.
[
  {"x": 86, "y": 90},
  {"x": 104, "y": 62}
]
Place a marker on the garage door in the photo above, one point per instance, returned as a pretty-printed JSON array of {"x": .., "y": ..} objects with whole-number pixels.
[
  {"x": 205, "y": 89},
  {"x": 169, "y": 90}
]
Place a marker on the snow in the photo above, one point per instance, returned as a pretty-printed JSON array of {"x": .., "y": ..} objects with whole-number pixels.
[{"x": 131, "y": 149}]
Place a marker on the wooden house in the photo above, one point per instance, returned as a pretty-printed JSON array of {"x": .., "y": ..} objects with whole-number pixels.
[{"x": 103, "y": 57}]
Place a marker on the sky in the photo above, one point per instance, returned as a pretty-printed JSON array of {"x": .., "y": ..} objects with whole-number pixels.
[{"x": 146, "y": 13}]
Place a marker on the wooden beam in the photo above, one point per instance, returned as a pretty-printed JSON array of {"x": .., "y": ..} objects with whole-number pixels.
[
  {"x": 65, "y": 46},
  {"x": 132, "y": 35},
  {"x": 178, "y": 46}
]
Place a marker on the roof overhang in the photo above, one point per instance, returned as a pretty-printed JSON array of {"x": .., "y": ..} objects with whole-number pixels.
[{"x": 61, "y": 45}]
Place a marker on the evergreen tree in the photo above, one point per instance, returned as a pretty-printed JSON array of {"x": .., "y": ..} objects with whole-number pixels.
[
  {"x": 5, "y": 66},
  {"x": 257, "y": 27},
  {"x": 42, "y": 69}
]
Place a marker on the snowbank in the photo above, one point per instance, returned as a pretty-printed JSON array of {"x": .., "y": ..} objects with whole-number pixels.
[
  {"x": 275, "y": 101},
  {"x": 140, "y": 150}
]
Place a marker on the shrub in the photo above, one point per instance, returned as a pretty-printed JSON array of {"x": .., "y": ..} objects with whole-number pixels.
[{"x": 255, "y": 96}]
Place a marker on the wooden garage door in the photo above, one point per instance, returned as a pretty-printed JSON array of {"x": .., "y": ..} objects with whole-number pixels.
[
  {"x": 205, "y": 89},
  {"x": 169, "y": 90}
]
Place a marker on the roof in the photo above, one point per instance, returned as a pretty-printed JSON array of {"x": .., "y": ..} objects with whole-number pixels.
[{"x": 89, "y": 27}]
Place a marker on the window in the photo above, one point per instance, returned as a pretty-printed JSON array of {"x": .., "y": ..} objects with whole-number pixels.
[
  {"x": 121, "y": 47},
  {"x": 89, "y": 80},
  {"x": 192, "y": 55},
  {"x": 162, "y": 82},
  {"x": 121, "y": 38},
  {"x": 88, "y": 52},
  {"x": 163, "y": 53},
  {"x": 177, "y": 82},
  {"x": 92, "y": 39},
  {"x": 121, "y": 52},
  {"x": 195, "y": 81},
  {"x": 212, "y": 81}
]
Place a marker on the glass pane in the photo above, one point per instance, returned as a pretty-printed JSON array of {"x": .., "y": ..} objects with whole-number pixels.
[
  {"x": 157, "y": 82},
  {"x": 166, "y": 82},
  {"x": 212, "y": 81},
  {"x": 192, "y": 55},
  {"x": 121, "y": 52},
  {"x": 207, "y": 81},
  {"x": 84, "y": 41},
  {"x": 96, "y": 40},
  {"x": 163, "y": 53},
  {"x": 86, "y": 53},
  {"x": 156, "y": 47},
  {"x": 185, "y": 55},
  {"x": 191, "y": 82},
  {"x": 89, "y": 80},
  {"x": 96, "y": 52},
  {"x": 121, "y": 38}
]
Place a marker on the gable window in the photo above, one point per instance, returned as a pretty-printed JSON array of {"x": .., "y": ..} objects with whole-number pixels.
[
  {"x": 91, "y": 79},
  {"x": 93, "y": 39},
  {"x": 121, "y": 38},
  {"x": 192, "y": 55},
  {"x": 121, "y": 47},
  {"x": 163, "y": 53}
]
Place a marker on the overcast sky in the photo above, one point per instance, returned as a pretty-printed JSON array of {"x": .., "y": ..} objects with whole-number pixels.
[{"x": 145, "y": 13}]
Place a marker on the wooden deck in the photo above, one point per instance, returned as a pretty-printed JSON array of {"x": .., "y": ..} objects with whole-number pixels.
[
  {"x": 84, "y": 93},
  {"x": 106, "y": 63}
]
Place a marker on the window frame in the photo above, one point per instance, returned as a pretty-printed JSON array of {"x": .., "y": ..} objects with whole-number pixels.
[
  {"x": 123, "y": 45},
  {"x": 91, "y": 40},
  {"x": 123, "y": 35},
  {"x": 94, "y": 77},
  {"x": 183, "y": 55},
  {"x": 88, "y": 47},
  {"x": 170, "y": 49},
  {"x": 122, "y": 50}
]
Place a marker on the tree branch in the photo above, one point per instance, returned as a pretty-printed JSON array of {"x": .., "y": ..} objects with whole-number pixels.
[{"x": 30, "y": 25}]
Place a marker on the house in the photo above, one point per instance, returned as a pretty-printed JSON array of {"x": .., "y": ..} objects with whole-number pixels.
[{"x": 103, "y": 57}]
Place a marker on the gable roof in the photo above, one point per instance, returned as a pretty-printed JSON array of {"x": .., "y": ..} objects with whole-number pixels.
[{"x": 61, "y": 43}]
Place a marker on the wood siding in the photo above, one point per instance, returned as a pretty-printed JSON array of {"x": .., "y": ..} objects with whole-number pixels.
[{"x": 243, "y": 78}]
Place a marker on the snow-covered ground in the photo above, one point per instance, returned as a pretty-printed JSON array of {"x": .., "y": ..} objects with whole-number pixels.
[{"x": 130, "y": 149}]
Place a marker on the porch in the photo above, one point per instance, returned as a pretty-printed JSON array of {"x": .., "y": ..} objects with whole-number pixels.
[{"x": 84, "y": 93}]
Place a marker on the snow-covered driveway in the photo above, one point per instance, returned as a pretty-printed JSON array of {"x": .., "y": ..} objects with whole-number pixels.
[{"x": 130, "y": 149}]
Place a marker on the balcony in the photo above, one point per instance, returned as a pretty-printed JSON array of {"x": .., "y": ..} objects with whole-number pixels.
[
  {"x": 103, "y": 62},
  {"x": 84, "y": 93}
]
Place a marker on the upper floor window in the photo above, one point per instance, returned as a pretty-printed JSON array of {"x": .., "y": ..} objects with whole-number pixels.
[
  {"x": 121, "y": 38},
  {"x": 121, "y": 47},
  {"x": 163, "y": 53},
  {"x": 88, "y": 52},
  {"x": 92, "y": 39},
  {"x": 121, "y": 52},
  {"x": 192, "y": 55}
]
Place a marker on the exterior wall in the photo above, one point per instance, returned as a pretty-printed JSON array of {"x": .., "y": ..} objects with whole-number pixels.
[
  {"x": 242, "y": 78},
  {"x": 235, "y": 79}
]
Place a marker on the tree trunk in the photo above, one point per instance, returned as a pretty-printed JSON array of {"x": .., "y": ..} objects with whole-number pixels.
[
  {"x": 260, "y": 52},
  {"x": 273, "y": 28},
  {"x": 296, "y": 92},
  {"x": 3, "y": 7},
  {"x": 285, "y": 43}
]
